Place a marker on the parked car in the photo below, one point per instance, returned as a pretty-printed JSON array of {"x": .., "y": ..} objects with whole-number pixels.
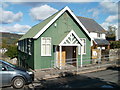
[{"x": 11, "y": 75}]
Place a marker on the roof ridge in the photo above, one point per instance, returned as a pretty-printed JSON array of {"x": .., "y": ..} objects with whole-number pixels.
[{"x": 84, "y": 17}]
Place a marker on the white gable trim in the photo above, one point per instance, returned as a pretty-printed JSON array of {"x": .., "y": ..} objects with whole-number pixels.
[
  {"x": 64, "y": 40},
  {"x": 56, "y": 17}
]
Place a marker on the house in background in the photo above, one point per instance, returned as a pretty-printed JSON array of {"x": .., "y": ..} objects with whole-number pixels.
[
  {"x": 96, "y": 32},
  {"x": 57, "y": 41}
]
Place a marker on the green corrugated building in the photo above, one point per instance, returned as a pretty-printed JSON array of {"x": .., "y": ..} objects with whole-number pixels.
[{"x": 58, "y": 41}]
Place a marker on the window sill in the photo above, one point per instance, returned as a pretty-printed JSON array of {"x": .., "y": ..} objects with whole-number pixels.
[{"x": 45, "y": 55}]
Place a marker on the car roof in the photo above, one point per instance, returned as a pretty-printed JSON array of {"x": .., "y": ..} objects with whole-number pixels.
[
  {"x": 1, "y": 60},
  {"x": 5, "y": 62}
]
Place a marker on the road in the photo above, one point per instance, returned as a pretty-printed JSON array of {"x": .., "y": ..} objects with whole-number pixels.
[{"x": 102, "y": 79}]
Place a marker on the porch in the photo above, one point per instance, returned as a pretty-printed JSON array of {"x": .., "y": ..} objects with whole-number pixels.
[{"x": 68, "y": 49}]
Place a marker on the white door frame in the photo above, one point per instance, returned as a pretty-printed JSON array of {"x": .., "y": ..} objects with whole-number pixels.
[{"x": 59, "y": 65}]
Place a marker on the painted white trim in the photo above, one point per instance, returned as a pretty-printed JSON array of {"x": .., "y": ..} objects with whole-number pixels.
[
  {"x": 81, "y": 61},
  {"x": 60, "y": 57},
  {"x": 56, "y": 17},
  {"x": 71, "y": 32},
  {"x": 70, "y": 45},
  {"x": 47, "y": 25},
  {"x": 95, "y": 41},
  {"x": 85, "y": 45}
]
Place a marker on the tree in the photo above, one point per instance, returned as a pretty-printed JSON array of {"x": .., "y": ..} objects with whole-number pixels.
[
  {"x": 12, "y": 51},
  {"x": 111, "y": 33},
  {"x": 4, "y": 44}
]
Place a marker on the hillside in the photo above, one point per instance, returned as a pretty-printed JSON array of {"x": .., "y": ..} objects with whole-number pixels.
[{"x": 9, "y": 38}]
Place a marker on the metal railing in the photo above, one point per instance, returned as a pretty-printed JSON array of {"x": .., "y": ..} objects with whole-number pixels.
[{"x": 75, "y": 63}]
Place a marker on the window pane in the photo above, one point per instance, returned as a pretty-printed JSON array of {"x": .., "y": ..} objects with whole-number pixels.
[
  {"x": 43, "y": 41},
  {"x": 48, "y": 49},
  {"x": 47, "y": 41},
  {"x": 9, "y": 68},
  {"x": 43, "y": 49}
]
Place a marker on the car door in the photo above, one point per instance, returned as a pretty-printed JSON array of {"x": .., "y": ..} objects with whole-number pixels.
[
  {"x": 0, "y": 74},
  {"x": 7, "y": 74},
  {"x": 4, "y": 75},
  {"x": 11, "y": 73}
]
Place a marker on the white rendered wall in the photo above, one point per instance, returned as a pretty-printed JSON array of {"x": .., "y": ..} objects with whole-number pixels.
[{"x": 94, "y": 35}]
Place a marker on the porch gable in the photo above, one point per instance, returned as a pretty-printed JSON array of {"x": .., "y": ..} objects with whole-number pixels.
[{"x": 71, "y": 40}]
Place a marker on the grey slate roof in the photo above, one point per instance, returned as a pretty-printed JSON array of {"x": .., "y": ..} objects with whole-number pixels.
[
  {"x": 101, "y": 41},
  {"x": 91, "y": 25}
]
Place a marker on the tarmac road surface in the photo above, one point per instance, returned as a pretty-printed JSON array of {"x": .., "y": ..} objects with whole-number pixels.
[{"x": 102, "y": 79}]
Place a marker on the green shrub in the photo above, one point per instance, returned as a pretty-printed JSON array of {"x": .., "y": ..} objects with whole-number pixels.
[{"x": 114, "y": 44}]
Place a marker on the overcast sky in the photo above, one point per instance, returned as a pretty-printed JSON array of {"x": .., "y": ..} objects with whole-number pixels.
[{"x": 19, "y": 17}]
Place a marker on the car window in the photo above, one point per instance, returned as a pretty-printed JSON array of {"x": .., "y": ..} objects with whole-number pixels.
[
  {"x": 10, "y": 68},
  {"x": 9, "y": 64},
  {"x": 0, "y": 66}
]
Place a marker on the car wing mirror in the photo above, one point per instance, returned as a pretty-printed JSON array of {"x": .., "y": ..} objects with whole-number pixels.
[{"x": 3, "y": 69}]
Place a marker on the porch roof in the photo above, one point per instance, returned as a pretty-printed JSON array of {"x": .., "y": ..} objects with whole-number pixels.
[{"x": 101, "y": 42}]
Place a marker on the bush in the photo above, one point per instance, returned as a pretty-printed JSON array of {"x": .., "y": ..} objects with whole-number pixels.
[{"x": 114, "y": 44}]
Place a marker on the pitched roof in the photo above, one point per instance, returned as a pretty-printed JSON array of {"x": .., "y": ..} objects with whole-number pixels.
[
  {"x": 38, "y": 29},
  {"x": 91, "y": 25},
  {"x": 35, "y": 29}
]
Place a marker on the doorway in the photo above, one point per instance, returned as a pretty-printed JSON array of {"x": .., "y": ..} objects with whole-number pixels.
[{"x": 69, "y": 56}]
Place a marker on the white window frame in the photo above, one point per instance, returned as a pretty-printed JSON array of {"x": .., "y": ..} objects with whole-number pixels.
[
  {"x": 19, "y": 45},
  {"x": 29, "y": 47},
  {"x": 84, "y": 44},
  {"x": 99, "y": 35},
  {"x": 49, "y": 53},
  {"x": 25, "y": 45},
  {"x": 22, "y": 45}
]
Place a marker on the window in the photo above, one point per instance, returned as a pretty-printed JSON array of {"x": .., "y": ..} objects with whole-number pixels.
[
  {"x": 0, "y": 66},
  {"x": 45, "y": 46},
  {"x": 19, "y": 45},
  {"x": 25, "y": 45},
  {"x": 10, "y": 68},
  {"x": 29, "y": 46},
  {"x": 99, "y": 35},
  {"x": 84, "y": 45},
  {"x": 22, "y": 46}
]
